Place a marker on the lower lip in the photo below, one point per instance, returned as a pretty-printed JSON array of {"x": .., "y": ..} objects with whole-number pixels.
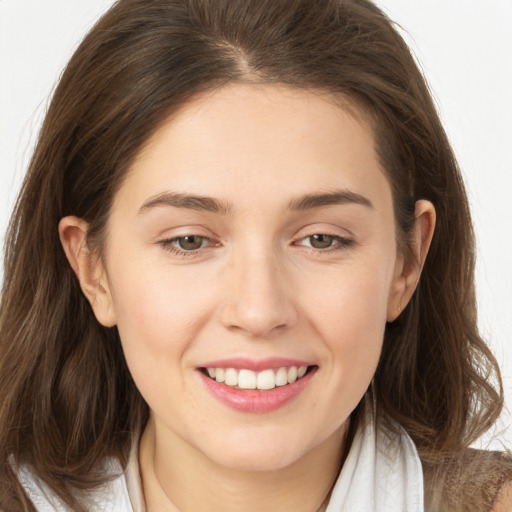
[{"x": 251, "y": 400}]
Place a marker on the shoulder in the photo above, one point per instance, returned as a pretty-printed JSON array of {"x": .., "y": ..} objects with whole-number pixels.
[
  {"x": 504, "y": 500},
  {"x": 469, "y": 479},
  {"x": 112, "y": 495}
]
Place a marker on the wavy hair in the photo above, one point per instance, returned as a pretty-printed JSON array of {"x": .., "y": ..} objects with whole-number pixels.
[{"x": 67, "y": 399}]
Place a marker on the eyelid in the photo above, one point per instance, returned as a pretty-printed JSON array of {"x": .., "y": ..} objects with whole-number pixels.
[
  {"x": 342, "y": 242},
  {"x": 324, "y": 228},
  {"x": 170, "y": 244}
]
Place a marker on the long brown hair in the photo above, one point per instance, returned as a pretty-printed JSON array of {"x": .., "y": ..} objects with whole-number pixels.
[{"x": 66, "y": 397}]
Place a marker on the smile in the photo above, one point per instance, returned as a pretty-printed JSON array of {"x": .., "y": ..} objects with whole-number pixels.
[
  {"x": 257, "y": 385},
  {"x": 263, "y": 380}
]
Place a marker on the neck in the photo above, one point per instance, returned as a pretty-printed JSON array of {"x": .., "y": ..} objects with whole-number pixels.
[{"x": 182, "y": 479}]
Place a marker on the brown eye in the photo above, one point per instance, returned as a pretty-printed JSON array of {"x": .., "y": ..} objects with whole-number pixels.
[
  {"x": 321, "y": 241},
  {"x": 190, "y": 243}
]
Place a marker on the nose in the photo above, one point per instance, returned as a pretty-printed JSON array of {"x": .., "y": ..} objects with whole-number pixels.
[{"x": 259, "y": 298}]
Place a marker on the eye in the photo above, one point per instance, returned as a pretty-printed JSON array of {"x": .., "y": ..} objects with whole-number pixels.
[
  {"x": 191, "y": 242},
  {"x": 321, "y": 241},
  {"x": 325, "y": 242},
  {"x": 186, "y": 245}
]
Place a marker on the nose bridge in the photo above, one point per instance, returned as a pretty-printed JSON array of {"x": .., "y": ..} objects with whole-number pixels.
[{"x": 259, "y": 299}]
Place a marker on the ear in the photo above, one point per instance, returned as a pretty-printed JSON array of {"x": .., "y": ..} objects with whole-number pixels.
[
  {"x": 409, "y": 266},
  {"x": 88, "y": 268}
]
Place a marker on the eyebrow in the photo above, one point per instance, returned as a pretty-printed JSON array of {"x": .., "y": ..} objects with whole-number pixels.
[
  {"x": 212, "y": 205},
  {"x": 311, "y": 201},
  {"x": 187, "y": 201}
]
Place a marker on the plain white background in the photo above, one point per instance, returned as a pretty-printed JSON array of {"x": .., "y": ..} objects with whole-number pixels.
[{"x": 463, "y": 46}]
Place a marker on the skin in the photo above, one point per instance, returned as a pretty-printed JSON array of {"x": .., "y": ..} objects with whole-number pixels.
[
  {"x": 259, "y": 286},
  {"x": 504, "y": 501}
]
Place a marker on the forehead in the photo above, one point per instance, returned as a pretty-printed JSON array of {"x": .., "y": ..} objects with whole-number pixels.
[{"x": 241, "y": 139}]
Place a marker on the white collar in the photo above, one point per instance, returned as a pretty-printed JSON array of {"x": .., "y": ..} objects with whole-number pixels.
[{"x": 382, "y": 473}]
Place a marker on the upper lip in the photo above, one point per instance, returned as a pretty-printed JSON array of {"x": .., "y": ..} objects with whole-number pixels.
[{"x": 256, "y": 365}]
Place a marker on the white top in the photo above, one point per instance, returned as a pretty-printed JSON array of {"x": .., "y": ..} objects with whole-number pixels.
[{"x": 379, "y": 475}]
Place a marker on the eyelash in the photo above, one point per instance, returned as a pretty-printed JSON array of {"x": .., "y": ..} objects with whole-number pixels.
[
  {"x": 170, "y": 245},
  {"x": 339, "y": 243}
]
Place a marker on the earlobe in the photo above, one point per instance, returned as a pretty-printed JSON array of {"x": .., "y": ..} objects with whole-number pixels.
[
  {"x": 88, "y": 268},
  {"x": 408, "y": 267}
]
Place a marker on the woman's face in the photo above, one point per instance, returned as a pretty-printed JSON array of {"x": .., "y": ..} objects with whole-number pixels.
[{"x": 253, "y": 240}]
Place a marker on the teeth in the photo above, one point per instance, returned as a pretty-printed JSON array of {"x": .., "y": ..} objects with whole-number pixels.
[
  {"x": 264, "y": 380},
  {"x": 302, "y": 371},
  {"x": 246, "y": 379},
  {"x": 231, "y": 378},
  {"x": 281, "y": 377}
]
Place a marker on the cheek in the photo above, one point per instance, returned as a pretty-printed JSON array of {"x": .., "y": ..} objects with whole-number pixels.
[
  {"x": 157, "y": 308},
  {"x": 356, "y": 298},
  {"x": 351, "y": 325},
  {"x": 157, "y": 320},
  {"x": 349, "y": 311}
]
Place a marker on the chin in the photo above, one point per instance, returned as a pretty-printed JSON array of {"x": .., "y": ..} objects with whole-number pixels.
[
  {"x": 256, "y": 453},
  {"x": 256, "y": 462}
]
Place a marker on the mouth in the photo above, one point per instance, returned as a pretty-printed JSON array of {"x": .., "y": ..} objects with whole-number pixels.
[{"x": 265, "y": 380}]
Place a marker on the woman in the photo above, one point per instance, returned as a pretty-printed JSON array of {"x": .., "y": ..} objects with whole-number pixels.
[{"x": 239, "y": 275}]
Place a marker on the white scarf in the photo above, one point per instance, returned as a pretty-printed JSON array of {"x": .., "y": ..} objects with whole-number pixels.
[{"x": 380, "y": 474}]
